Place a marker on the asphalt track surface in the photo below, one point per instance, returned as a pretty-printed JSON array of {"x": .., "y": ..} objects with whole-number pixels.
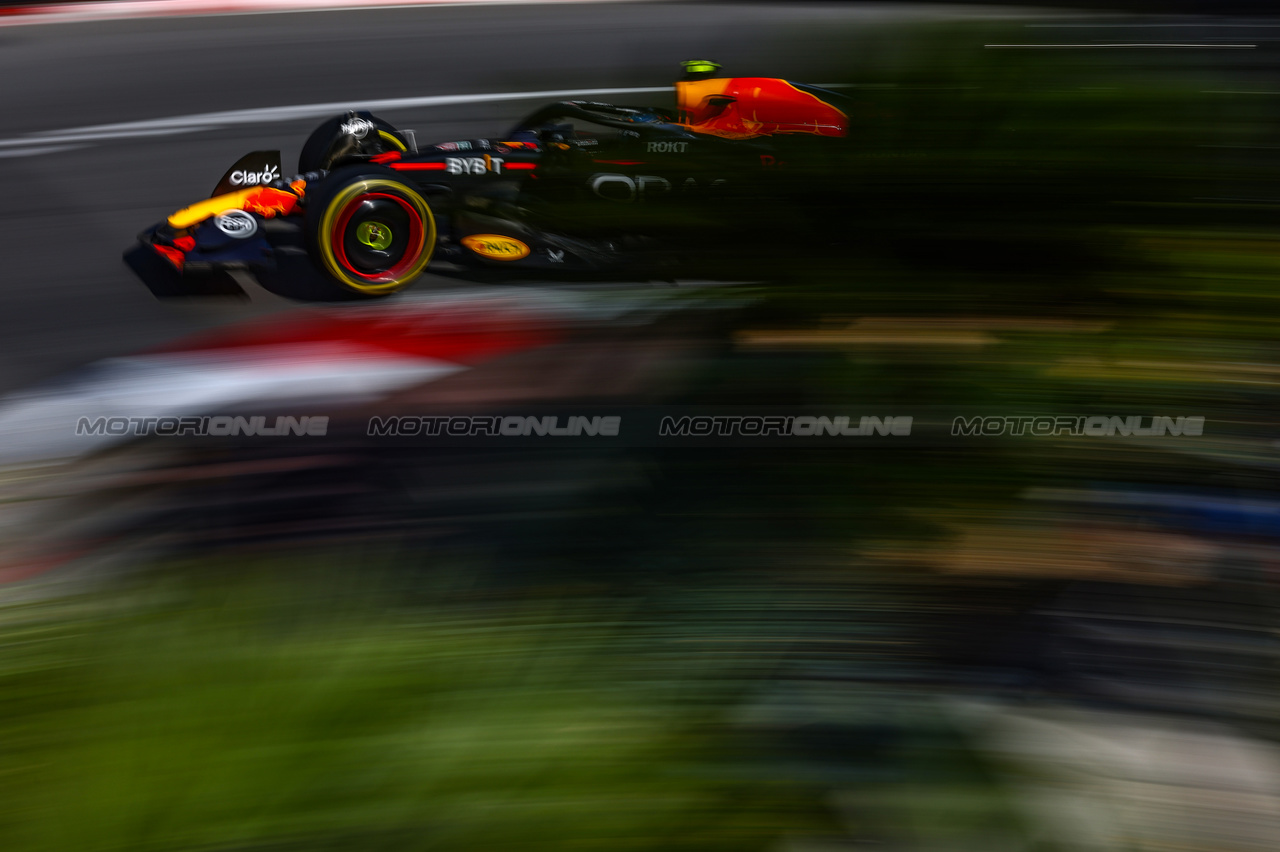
[{"x": 67, "y": 299}]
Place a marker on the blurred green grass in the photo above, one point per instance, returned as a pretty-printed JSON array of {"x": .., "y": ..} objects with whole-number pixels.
[{"x": 268, "y": 713}]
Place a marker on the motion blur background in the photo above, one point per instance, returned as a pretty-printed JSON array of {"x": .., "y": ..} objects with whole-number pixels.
[{"x": 1017, "y": 644}]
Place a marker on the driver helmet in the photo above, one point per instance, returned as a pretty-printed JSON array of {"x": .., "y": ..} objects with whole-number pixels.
[{"x": 699, "y": 69}]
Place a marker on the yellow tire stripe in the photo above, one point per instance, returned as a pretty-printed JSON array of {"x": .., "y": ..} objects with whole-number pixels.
[{"x": 392, "y": 140}]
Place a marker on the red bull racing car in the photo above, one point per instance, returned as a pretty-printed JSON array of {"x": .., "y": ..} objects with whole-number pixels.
[{"x": 576, "y": 189}]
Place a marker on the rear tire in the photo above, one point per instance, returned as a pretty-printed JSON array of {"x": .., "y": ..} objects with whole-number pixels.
[
  {"x": 320, "y": 151},
  {"x": 371, "y": 233}
]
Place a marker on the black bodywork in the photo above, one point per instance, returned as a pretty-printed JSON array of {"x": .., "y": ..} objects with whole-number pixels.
[{"x": 591, "y": 190}]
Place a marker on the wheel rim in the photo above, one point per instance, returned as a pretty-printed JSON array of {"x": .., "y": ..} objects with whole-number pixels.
[{"x": 377, "y": 236}]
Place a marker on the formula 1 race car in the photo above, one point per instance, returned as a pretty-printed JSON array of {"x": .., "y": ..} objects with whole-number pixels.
[{"x": 576, "y": 190}]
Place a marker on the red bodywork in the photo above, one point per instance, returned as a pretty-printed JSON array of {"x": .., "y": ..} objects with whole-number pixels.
[{"x": 747, "y": 107}]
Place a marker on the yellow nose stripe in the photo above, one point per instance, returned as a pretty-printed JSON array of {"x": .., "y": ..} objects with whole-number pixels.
[{"x": 201, "y": 210}]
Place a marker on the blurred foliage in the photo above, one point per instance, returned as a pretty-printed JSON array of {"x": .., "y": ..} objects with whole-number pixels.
[
  {"x": 285, "y": 707},
  {"x": 1057, "y": 232}
]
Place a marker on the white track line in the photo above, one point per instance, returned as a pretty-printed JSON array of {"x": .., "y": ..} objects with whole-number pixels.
[
  {"x": 37, "y": 152},
  {"x": 31, "y": 144}
]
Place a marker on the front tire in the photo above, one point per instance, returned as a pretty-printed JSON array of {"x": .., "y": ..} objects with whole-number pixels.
[{"x": 370, "y": 232}]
